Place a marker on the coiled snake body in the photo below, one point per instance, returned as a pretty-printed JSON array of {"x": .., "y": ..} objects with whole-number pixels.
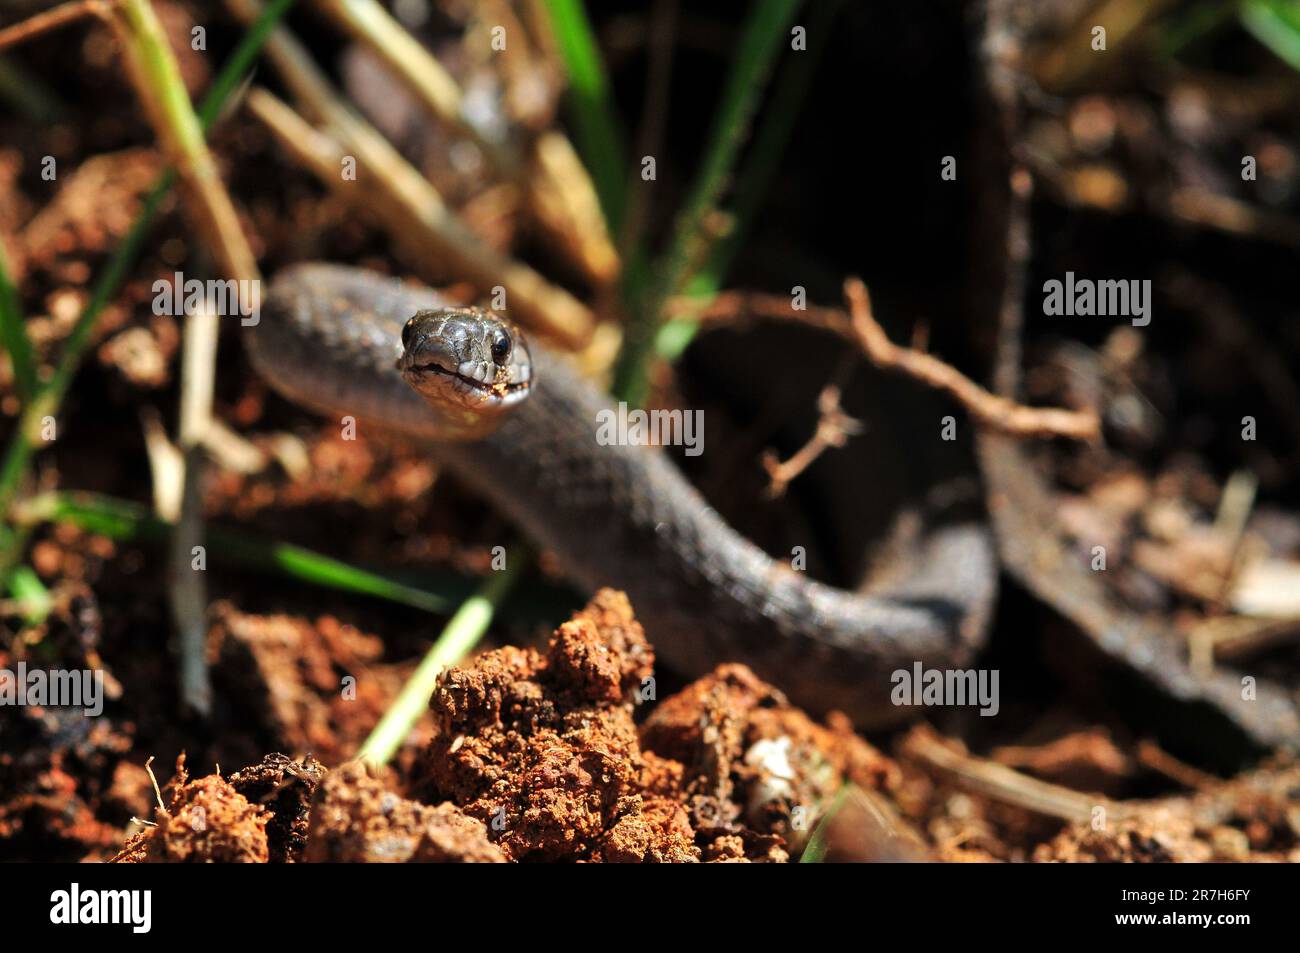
[{"x": 624, "y": 516}]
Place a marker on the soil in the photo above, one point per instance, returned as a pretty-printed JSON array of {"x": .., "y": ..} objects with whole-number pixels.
[{"x": 537, "y": 756}]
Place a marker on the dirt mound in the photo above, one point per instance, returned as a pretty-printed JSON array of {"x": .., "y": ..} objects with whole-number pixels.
[{"x": 537, "y": 756}]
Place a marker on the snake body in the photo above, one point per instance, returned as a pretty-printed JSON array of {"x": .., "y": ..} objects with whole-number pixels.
[{"x": 625, "y": 516}]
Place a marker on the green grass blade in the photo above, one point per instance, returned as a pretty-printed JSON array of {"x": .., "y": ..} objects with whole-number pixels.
[
  {"x": 28, "y": 94},
  {"x": 1188, "y": 27},
  {"x": 126, "y": 521},
  {"x": 600, "y": 141},
  {"x": 461, "y": 634},
  {"x": 814, "y": 851},
  {"x": 774, "y": 130},
  {"x": 439, "y": 593},
  {"x": 13, "y": 333},
  {"x": 233, "y": 71},
  {"x": 29, "y": 592},
  {"x": 1276, "y": 24},
  {"x": 755, "y": 177},
  {"x": 766, "y": 32}
]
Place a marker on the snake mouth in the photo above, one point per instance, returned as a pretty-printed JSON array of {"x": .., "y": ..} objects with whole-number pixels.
[{"x": 490, "y": 390}]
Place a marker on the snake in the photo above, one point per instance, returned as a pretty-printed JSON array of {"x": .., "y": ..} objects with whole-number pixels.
[{"x": 517, "y": 423}]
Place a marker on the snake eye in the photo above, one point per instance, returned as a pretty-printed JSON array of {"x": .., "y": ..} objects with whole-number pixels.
[
  {"x": 500, "y": 348},
  {"x": 406, "y": 333}
]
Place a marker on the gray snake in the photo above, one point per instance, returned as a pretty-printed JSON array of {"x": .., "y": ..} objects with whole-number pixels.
[{"x": 623, "y": 516}]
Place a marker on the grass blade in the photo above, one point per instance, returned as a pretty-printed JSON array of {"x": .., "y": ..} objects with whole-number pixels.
[
  {"x": 1276, "y": 24},
  {"x": 232, "y": 75},
  {"x": 438, "y": 593},
  {"x": 28, "y": 94},
  {"x": 594, "y": 120},
  {"x": 126, "y": 521},
  {"x": 1193, "y": 25},
  {"x": 13, "y": 333},
  {"x": 755, "y": 177},
  {"x": 34, "y": 600},
  {"x": 762, "y": 38},
  {"x": 814, "y": 851},
  {"x": 461, "y": 634}
]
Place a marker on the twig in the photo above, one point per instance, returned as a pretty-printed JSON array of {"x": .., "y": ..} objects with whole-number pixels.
[
  {"x": 158, "y": 82},
  {"x": 417, "y": 224},
  {"x": 189, "y": 591},
  {"x": 52, "y": 19},
  {"x": 1069, "y": 58},
  {"x": 987, "y": 409},
  {"x": 166, "y": 466},
  {"x": 1152, "y": 756},
  {"x": 1232, "y": 638},
  {"x": 1233, "y": 216},
  {"x": 153, "y": 779},
  {"x": 310, "y": 147},
  {"x": 1000, "y": 783},
  {"x": 1235, "y": 507},
  {"x": 564, "y": 202},
  {"x": 834, "y": 427},
  {"x": 1017, "y": 246},
  {"x": 1196, "y": 207},
  {"x": 47, "y": 402},
  {"x": 736, "y": 308}
]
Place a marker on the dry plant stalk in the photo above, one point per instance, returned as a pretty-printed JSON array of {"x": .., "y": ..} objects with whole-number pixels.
[
  {"x": 1000, "y": 783},
  {"x": 1071, "y": 58},
  {"x": 558, "y": 189},
  {"x": 157, "y": 81},
  {"x": 156, "y": 77},
  {"x": 52, "y": 19},
  {"x": 409, "y": 207}
]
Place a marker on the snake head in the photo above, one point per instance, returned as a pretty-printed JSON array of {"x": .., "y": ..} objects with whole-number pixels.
[{"x": 466, "y": 360}]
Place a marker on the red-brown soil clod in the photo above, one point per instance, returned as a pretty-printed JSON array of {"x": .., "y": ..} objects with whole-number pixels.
[
  {"x": 543, "y": 748},
  {"x": 354, "y": 818},
  {"x": 206, "y": 820}
]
